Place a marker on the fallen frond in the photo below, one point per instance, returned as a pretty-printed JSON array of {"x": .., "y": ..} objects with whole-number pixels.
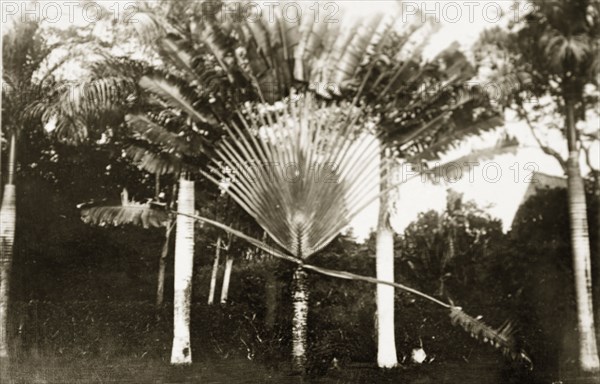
[
  {"x": 145, "y": 215},
  {"x": 501, "y": 337}
]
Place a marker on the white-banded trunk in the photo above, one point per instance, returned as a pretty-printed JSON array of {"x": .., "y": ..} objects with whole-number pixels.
[
  {"x": 215, "y": 271},
  {"x": 7, "y": 236},
  {"x": 580, "y": 245},
  {"x": 184, "y": 264},
  {"x": 8, "y": 219},
  {"x": 300, "y": 301},
  {"x": 226, "y": 278},
  {"x": 386, "y": 339},
  {"x": 384, "y": 264}
]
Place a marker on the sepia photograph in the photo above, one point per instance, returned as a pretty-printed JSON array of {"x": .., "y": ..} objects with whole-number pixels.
[{"x": 300, "y": 191}]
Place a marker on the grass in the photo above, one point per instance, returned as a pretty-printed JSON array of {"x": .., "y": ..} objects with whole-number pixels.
[{"x": 234, "y": 371}]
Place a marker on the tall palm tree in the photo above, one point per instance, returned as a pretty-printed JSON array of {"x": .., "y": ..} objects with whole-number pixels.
[
  {"x": 556, "y": 49},
  {"x": 404, "y": 93},
  {"x": 28, "y": 89},
  {"x": 157, "y": 147}
]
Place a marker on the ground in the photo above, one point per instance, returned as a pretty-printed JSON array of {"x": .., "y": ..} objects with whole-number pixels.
[{"x": 140, "y": 371}]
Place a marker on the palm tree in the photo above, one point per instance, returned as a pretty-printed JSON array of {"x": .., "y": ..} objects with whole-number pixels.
[
  {"x": 156, "y": 148},
  {"x": 28, "y": 89},
  {"x": 395, "y": 84},
  {"x": 301, "y": 212},
  {"x": 556, "y": 50},
  {"x": 181, "y": 352}
]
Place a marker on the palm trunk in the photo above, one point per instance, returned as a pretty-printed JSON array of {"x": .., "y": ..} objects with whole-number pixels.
[
  {"x": 299, "y": 334},
  {"x": 580, "y": 246},
  {"x": 384, "y": 248},
  {"x": 215, "y": 271},
  {"x": 162, "y": 264},
  {"x": 270, "y": 300},
  {"x": 8, "y": 214},
  {"x": 597, "y": 196},
  {"x": 184, "y": 264},
  {"x": 226, "y": 279},
  {"x": 449, "y": 255}
]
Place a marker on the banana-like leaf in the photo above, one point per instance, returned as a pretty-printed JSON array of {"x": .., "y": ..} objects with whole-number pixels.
[
  {"x": 453, "y": 169},
  {"x": 174, "y": 96},
  {"x": 156, "y": 134},
  {"x": 139, "y": 214},
  {"x": 302, "y": 169},
  {"x": 449, "y": 139},
  {"x": 154, "y": 161},
  {"x": 180, "y": 58}
]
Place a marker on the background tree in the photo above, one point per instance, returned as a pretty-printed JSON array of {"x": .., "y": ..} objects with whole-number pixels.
[{"x": 553, "y": 53}]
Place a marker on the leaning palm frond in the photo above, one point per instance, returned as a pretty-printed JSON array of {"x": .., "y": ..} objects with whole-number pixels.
[
  {"x": 324, "y": 167},
  {"x": 144, "y": 128},
  {"x": 145, "y": 215},
  {"x": 501, "y": 337},
  {"x": 449, "y": 140},
  {"x": 176, "y": 97}
]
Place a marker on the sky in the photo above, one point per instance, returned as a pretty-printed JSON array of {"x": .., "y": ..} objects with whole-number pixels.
[{"x": 462, "y": 22}]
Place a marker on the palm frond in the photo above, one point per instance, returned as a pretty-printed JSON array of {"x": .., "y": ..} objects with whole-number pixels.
[
  {"x": 96, "y": 97},
  {"x": 145, "y": 215},
  {"x": 154, "y": 161},
  {"x": 180, "y": 58},
  {"x": 451, "y": 138},
  {"x": 323, "y": 171},
  {"x": 144, "y": 128},
  {"x": 453, "y": 169},
  {"x": 501, "y": 337},
  {"x": 175, "y": 97}
]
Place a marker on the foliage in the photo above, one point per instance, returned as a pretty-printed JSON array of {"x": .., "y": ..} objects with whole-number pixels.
[
  {"x": 331, "y": 171},
  {"x": 501, "y": 338},
  {"x": 441, "y": 252},
  {"x": 140, "y": 214}
]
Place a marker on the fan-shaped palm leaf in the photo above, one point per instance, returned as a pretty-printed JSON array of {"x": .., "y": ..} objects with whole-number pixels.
[{"x": 322, "y": 170}]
